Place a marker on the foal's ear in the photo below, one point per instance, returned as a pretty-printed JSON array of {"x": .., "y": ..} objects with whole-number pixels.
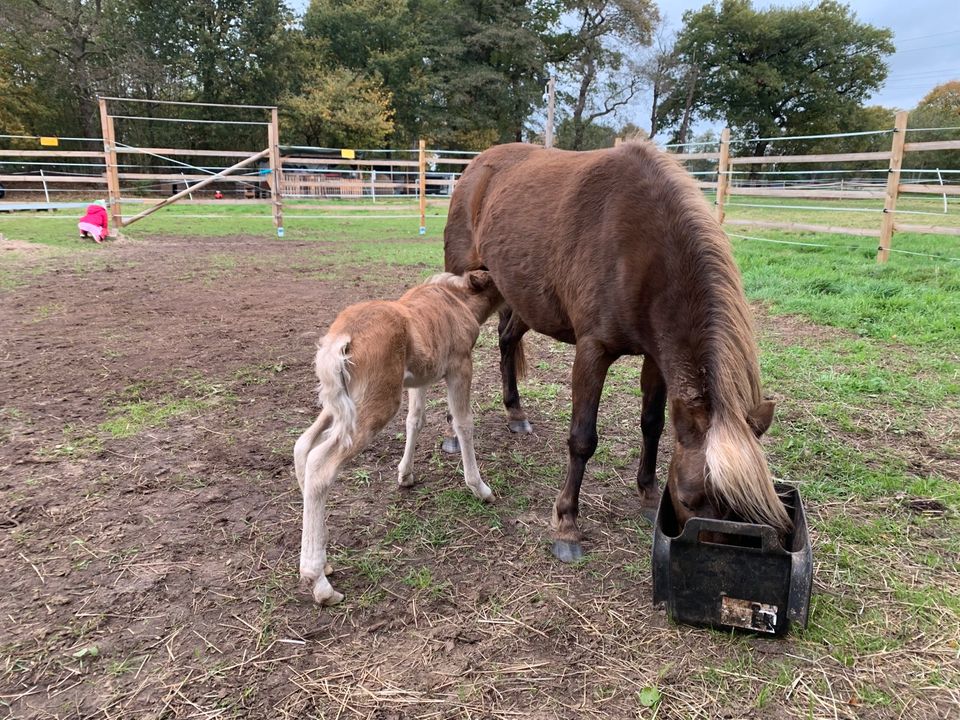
[
  {"x": 479, "y": 280},
  {"x": 761, "y": 416},
  {"x": 690, "y": 422}
]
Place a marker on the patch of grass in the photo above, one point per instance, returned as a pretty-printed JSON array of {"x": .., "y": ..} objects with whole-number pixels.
[
  {"x": 407, "y": 527},
  {"x": 137, "y": 413},
  {"x": 133, "y": 418},
  {"x": 910, "y": 300}
]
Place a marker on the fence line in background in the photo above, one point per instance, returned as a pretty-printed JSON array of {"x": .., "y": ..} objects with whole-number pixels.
[
  {"x": 894, "y": 188},
  {"x": 304, "y": 172}
]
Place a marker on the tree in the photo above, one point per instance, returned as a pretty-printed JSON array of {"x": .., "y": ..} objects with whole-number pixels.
[
  {"x": 340, "y": 109},
  {"x": 662, "y": 71},
  {"x": 461, "y": 71},
  {"x": 62, "y": 50},
  {"x": 939, "y": 108},
  {"x": 782, "y": 71},
  {"x": 595, "y": 57},
  {"x": 592, "y": 136}
]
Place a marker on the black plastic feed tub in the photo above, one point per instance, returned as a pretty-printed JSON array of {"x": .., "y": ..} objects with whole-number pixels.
[{"x": 750, "y": 581}]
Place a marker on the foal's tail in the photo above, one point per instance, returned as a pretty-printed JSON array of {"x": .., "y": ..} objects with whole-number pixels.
[{"x": 333, "y": 359}]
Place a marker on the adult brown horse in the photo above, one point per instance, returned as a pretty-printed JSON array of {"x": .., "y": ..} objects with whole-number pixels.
[{"x": 617, "y": 251}]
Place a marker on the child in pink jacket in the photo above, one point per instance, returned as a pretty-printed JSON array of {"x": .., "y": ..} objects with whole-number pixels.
[{"x": 94, "y": 223}]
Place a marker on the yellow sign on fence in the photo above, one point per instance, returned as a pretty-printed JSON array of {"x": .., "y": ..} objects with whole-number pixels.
[
  {"x": 348, "y": 154},
  {"x": 49, "y": 141}
]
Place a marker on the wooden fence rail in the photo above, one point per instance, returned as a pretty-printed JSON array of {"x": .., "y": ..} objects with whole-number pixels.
[
  {"x": 894, "y": 188},
  {"x": 313, "y": 172}
]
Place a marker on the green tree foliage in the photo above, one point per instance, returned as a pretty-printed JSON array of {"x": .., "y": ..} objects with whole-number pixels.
[
  {"x": 460, "y": 71},
  {"x": 339, "y": 109},
  {"x": 775, "y": 72},
  {"x": 63, "y": 54},
  {"x": 592, "y": 135},
  {"x": 64, "y": 51},
  {"x": 939, "y": 108}
]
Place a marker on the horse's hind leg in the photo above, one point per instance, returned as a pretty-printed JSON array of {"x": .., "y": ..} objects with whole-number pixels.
[
  {"x": 459, "y": 376},
  {"x": 590, "y": 367},
  {"x": 307, "y": 441},
  {"x": 416, "y": 400},
  {"x": 512, "y": 363},
  {"x": 651, "y": 423}
]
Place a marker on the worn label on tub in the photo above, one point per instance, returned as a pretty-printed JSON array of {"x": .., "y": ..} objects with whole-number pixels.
[{"x": 748, "y": 614}]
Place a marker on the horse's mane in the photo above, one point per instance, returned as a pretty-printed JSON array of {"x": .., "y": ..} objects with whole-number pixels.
[{"x": 723, "y": 344}]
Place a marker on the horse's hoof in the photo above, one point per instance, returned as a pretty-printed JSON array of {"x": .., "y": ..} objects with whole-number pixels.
[
  {"x": 520, "y": 426},
  {"x": 566, "y": 551},
  {"x": 406, "y": 481},
  {"x": 450, "y": 445}
]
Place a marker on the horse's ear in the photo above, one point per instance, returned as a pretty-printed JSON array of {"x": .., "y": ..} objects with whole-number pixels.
[
  {"x": 761, "y": 416},
  {"x": 479, "y": 280},
  {"x": 690, "y": 422}
]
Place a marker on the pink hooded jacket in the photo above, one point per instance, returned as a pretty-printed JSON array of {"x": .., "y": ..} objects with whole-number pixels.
[{"x": 96, "y": 215}]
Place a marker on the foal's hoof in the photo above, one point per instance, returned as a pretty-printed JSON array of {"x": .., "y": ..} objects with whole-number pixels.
[
  {"x": 321, "y": 590},
  {"x": 406, "y": 481},
  {"x": 520, "y": 426},
  {"x": 566, "y": 551},
  {"x": 450, "y": 445}
]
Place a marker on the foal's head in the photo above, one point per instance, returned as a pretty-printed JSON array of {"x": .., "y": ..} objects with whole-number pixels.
[
  {"x": 719, "y": 470},
  {"x": 478, "y": 291}
]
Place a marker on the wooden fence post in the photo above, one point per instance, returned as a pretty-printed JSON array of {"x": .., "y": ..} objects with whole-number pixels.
[
  {"x": 423, "y": 187},
  {"x": 723, "y": 173},
  {"x": 893, "y": 186},
  {"x": 276, "y": 170},
  {"x": 110, "y": 165}
]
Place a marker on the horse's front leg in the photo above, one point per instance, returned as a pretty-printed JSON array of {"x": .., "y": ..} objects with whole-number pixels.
[
  {"x": 651, "y": 423},
  {"x": 590, "y": 367},
  {"x": 459, "y": 376}
]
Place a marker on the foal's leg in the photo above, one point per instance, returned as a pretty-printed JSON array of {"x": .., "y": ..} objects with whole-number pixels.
[
  {"x": 651, "y": 423},
  {"x": 306, "y": 442},
  {"x": 590, "y": 367},
  {"x": 511, "y": 331},
  {"x": 322, "y": 467},
  {"x": 416, "y": 401},
  {"x": 459, "y": 376}
]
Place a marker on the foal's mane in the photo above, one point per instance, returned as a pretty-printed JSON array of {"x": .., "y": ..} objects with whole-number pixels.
[{"x": 722, "y": 342}]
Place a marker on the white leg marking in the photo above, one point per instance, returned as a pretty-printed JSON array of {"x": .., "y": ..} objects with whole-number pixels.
[{"x": 322, "y": 467}]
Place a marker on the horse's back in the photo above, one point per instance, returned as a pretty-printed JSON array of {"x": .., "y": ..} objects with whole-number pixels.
[{"x": 569, "y": 237}]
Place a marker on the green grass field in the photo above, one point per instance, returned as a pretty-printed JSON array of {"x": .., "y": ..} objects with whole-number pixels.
[{"x": 864, "y": 360}]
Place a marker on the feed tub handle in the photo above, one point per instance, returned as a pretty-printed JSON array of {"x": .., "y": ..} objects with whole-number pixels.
[{"x": 769, "y": 541}]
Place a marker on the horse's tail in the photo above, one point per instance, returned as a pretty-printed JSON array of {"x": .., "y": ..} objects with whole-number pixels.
[
  {"x": 332, "y": 361},
  {"x": 738, "y": 473},
  {"x": 520, "y": 359}
]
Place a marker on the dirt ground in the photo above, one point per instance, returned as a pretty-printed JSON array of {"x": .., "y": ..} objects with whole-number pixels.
[{"x": 151, "y": 394}]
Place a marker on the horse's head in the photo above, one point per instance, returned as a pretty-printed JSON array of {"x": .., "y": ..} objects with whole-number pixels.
[{"x": 718, "y": 469}]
